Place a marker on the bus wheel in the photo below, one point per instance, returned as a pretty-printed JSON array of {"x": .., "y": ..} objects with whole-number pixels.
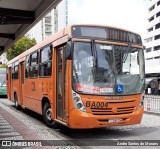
[
  {"x": 47, "y": 116},
  {"x": 16, "y": 102}
]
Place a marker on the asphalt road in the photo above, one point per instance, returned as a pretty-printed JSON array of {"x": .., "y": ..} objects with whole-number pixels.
[{"x": 147, "y": 133}]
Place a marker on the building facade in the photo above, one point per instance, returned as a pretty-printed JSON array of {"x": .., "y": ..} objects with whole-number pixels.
[
  {"x": 42, "y": 29},
  {"x": 3, "y": 59},
  {"x": 152, "y": 38},
  {"x": 51, "y": 23}
]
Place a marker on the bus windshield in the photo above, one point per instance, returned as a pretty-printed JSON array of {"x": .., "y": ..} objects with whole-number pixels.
[{"x": 107, "y": 69}]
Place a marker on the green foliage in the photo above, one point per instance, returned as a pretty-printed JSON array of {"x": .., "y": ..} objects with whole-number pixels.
[
  {"x": 3, "y": 66},
  {"x": 20, "y": 46}
]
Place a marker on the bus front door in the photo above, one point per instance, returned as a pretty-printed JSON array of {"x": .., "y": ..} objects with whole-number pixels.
[{"x": 61, "y": 93}]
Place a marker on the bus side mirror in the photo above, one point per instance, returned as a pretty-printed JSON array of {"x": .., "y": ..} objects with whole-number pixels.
[{"x": 68, "y": 51}]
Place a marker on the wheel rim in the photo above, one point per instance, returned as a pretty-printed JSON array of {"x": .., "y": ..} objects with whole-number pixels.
[{"x": 49, "y": 114}]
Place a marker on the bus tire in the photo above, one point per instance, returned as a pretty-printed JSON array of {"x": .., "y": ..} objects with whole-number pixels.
[
  {"x": 17, "y": 106},
  {"x": 47, "y": 116}
]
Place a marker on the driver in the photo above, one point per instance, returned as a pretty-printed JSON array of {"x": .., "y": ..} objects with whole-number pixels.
[
  {"x": 82, "y": 58},
  {"x": 83, "y": 64}
]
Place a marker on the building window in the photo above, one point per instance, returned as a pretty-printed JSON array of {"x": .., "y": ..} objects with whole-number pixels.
[
  {"x": 156, "y": 48},
  {"x": 151, "y": 19},
  {"x": 47, "y": 20},
  {"x": 151, "y": 8},
  {"x": 148, "y": 50},
  {"x": 157, "y": 57},
  {"x": 48, "y": 29},
  {"x": 157, "y": 37},
  {"x": 149, "y": 58},
  {"x": 158, "y": 14},
  {"x": 148, "y": 39},
  {"x": 157, "y": 26},
  {"x": 150, "y": 29}
]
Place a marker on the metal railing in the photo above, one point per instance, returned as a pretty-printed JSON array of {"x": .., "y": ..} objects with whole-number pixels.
[{"x": 152, "y": 103}]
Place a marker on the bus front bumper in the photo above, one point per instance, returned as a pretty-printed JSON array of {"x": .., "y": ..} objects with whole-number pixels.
[{"x": 84, "y": 120}]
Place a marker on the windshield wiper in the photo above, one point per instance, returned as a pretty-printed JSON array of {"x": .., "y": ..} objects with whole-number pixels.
[{"x": 76, "y": 76}]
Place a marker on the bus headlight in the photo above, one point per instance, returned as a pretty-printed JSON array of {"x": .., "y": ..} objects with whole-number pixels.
[
  {"x": 142, "y": 100},
  {"x": 78, "y": 104}
]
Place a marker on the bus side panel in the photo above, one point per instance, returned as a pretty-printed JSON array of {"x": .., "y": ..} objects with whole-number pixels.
[
  {"x": 26, "y": 93},
  {"x": 36, "y": 89},
  {"x": 34, "y": 102}
]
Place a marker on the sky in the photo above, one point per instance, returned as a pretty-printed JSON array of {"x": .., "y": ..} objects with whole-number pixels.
[{"x": 127, "y": 14}]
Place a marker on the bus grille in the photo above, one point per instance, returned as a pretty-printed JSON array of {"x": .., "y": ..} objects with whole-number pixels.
[{"x": 110, "y": 111}]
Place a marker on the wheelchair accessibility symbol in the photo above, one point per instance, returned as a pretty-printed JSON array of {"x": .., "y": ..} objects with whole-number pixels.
[{"x": 119, "y": 88}]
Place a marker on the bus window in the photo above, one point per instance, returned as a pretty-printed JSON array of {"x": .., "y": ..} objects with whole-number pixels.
[
  {"x": 27, "y": 66},
  {"x": 33, "y": 69},
  {"x": 45, "y": 66},
  {"x": 15, "y": 70},
  {"x": 12, "y": 71}
]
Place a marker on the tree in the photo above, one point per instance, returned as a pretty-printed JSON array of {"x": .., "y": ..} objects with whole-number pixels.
[
  {"x": 3, "y": 66},
  {"x": 20, "y": 46}
]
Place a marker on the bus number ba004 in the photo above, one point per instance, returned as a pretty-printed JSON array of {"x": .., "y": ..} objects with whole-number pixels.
[{"x": 96, "y": 104}]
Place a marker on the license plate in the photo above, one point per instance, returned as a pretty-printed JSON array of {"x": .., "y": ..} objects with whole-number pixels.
[{"x": 116, "y": 120}]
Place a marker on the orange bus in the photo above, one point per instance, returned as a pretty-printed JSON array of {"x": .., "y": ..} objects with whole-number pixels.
[{"x": 86, "y": 76}]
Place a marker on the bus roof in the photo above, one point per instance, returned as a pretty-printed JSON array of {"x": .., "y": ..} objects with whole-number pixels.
[
  {"x": 98, "y": 25},
  {"x": 65, "y": 32}
]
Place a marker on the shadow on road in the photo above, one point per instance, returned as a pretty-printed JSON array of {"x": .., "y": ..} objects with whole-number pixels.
[
  {"x": 3, "y": 96},
  {"x": 107, "y": 133},
  {"x": 29, "y": 113}
]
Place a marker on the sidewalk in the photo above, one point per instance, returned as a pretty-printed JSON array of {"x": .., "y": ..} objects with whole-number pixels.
[
  {"x": 17, "y": 125},
  {"x": 13, "y": 133},
  {"x": 23, "y": 131}
]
